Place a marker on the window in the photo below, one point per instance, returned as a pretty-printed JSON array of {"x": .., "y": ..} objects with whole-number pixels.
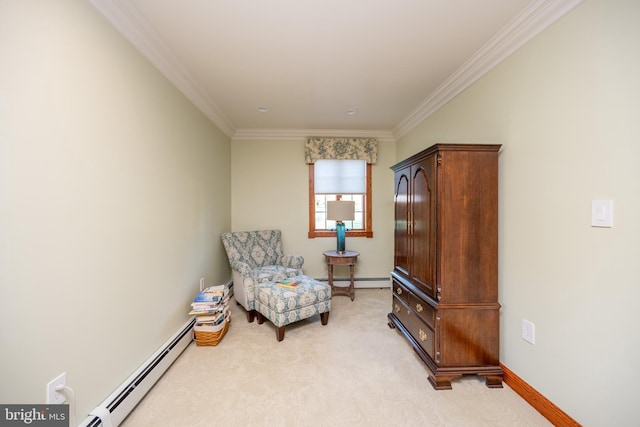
[{"x": 339, "y": 180}]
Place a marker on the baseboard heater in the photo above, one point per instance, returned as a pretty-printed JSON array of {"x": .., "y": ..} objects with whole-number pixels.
[
  {"x": 361, "y": 282},
  {"x": 116, "y": 407}
]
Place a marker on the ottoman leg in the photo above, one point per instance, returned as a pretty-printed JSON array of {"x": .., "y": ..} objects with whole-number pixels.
[
  {"x": 260, "y": 318},
  {"x": 280, "y": 333},
  {"x": 250, "y": 315},
  {"x": 324, "y": 318}
]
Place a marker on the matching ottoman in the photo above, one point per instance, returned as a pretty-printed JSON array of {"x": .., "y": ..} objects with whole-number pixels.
[{"x": 283, "y": 306}]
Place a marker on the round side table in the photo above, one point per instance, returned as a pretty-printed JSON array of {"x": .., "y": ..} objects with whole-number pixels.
[{"x": 342, "y": 258}]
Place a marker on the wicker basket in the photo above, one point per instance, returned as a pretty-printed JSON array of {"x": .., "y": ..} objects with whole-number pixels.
[{"x": 203, "y": 338}]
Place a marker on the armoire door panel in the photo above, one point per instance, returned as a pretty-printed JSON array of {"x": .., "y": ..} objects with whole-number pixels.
[
  {"x": 423, "y": 219},
  {"x": 402, "y": 224}
]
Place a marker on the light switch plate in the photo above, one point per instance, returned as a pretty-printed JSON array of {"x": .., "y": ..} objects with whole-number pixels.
[{"x": 602, "y": 213}]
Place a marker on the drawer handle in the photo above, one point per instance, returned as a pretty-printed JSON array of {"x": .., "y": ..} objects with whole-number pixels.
[
  {"x": 423, "y": 335},
  {"x": 397, "y": 308},
  {"x": 419, "y": 308},
  {"x": 399, "y": 291}
]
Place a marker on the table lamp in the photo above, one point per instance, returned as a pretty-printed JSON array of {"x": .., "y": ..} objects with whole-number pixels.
[{"x": 338, "y": 211}]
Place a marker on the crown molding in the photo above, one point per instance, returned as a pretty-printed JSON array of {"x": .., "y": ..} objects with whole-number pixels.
[
  {"x": 302, "y": 134},
  {"x": 536, "y": 18},
  {"x": 130, "y": 23}
]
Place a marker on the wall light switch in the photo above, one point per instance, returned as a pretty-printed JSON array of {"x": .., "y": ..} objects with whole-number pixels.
[{"x": 602, "y": 213}]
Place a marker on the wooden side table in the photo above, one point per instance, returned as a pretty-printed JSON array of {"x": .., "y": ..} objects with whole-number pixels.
[{"x": 345, "y": 258}]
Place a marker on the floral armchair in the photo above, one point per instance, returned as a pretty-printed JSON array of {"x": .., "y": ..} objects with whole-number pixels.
[{"x": 257, "y": 257}]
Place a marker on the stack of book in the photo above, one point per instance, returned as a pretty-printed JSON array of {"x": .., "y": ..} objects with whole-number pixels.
[
  {"x": 289, "y": 283},
  {"x": 211, "y": 308}
]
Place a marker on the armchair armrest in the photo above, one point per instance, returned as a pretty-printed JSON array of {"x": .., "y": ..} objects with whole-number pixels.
[
  {"x": 241, "y": 267},
  {"x": 293, "y": 261}
]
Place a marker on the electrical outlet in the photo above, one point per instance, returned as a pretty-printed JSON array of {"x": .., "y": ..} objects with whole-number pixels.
[
  {"x": 201, "y": 283},
  {"x": 54, "y": 396},
  {"x": 528, "y": 331}
]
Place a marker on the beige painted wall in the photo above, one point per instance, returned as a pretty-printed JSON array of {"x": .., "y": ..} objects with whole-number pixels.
[
  {"x": 270, "y": 189},
  {"x": 114, "y": 190},
  {"x": 566, "y": 109}
]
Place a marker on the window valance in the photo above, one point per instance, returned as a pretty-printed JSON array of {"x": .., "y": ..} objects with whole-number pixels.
[{"x": 317, "y": 148}]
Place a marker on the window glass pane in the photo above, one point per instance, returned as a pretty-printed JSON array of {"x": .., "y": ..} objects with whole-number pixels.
[{"x": 322, "y": 223}]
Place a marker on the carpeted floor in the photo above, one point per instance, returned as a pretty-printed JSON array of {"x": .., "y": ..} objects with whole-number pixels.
[{"x": 355, "y": 371}]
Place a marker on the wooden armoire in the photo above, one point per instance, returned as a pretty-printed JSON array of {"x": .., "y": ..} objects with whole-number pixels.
[{"x": 445, "y": 275}]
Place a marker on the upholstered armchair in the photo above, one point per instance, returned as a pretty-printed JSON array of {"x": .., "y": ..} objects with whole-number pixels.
[{"x": 257, "y": 257}]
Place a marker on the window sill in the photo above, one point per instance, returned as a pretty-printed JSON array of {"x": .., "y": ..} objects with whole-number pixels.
[{"x": 329, "y": 233}]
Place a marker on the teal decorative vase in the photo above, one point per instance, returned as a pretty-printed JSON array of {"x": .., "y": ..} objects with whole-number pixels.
[{"x": 340, "y": 235}]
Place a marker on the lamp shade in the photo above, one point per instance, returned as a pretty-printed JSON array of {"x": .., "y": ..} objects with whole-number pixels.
[{"x": 341, "y": 210}]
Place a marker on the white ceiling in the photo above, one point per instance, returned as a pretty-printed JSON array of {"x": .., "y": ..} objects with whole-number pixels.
[{"x": 309, "y": 61}]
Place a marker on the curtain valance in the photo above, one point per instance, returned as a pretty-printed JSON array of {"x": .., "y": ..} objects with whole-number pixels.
[{"x": 316, "y": 148}]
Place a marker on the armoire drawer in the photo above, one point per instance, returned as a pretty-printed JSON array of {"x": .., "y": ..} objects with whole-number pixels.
[
  {"x": 401, "y": 310},
  {"x": 421, "y": 332},
  {"x": 425, "y": 311},
  {"x": 400, "y": 292}
]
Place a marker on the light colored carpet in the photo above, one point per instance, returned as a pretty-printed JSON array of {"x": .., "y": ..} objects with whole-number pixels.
[{"x": 355, "y": 371}]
